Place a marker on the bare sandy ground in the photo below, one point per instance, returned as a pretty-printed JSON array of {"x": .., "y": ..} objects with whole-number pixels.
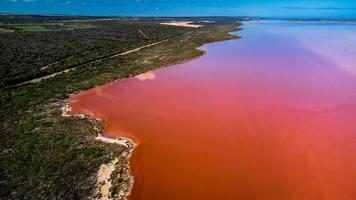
[
  {"x": 182, "y": 23},
  {"x": 104, "y": 183}
]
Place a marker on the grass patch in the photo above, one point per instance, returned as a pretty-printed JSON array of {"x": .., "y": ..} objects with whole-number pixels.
[
  {"x": 30, "y": 28},
  {"x": 3, "y": 30},
  {"x": 78, "y": 26},
  {"x": 43, "y": 27}
]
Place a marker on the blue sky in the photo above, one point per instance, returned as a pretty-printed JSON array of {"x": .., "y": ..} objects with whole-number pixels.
[{"x": 258, "y": 8}]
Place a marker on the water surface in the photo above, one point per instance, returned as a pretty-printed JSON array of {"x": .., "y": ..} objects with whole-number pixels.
[{"x": 269, "y": 116}]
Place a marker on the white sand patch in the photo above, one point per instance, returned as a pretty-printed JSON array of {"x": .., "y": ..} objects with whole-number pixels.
[
  {"x": 66, "y": 109},
  {"x": 146, "y": 76},
  {"x": 182, "y": 23},
  {"x": 120, "y": 141},
  {"x": 104, "y": 174},
  {"x": 104, "y": 183}
]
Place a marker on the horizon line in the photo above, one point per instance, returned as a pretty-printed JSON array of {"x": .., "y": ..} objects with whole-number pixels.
[{"x": 183, "y": 16}]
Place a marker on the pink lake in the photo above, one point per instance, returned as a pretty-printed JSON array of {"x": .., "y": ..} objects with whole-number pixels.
[{"x": 268, "y": 116}]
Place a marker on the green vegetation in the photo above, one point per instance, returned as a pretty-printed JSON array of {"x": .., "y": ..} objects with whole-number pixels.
[
  {"x": 32, "y": 55},
  {"x": 79, "y": 26},
  {"x": 42, "y": 27},
  {"x": 30, "y": 28},
  {"x": 3, "y": 30},
  {"x": 46, "y": 156}
]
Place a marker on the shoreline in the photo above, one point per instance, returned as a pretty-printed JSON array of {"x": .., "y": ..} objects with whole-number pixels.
[
  {"x": 104, "y": 174},
  {"x": 105, "y": 184},
  {"x": 34, "y": 127}
]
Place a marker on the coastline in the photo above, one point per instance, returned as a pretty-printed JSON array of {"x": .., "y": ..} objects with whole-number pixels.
[
  {"x": 119, "y": 166},
  {"x": 51, "y": 153},
  {"x": 104, "y": 184}
]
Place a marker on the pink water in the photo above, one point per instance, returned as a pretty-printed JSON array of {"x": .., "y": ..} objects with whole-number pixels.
[{"x": 269, "y": 116}]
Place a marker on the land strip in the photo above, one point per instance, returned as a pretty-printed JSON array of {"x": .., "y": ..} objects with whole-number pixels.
[{"x": 47, "y": 156}]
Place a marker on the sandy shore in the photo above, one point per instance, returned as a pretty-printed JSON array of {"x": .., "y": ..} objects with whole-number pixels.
[{"x": 119, "y": 167}]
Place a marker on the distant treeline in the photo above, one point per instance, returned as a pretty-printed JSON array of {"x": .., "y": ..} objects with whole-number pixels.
[{"x": 15, "y": 19}]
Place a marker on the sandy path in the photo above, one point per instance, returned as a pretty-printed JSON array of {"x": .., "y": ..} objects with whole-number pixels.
[{"x": 36, "y": 80}]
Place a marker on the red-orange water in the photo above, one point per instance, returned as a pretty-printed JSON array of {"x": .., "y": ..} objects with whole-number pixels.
[{"x": 269, "y": 116}]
